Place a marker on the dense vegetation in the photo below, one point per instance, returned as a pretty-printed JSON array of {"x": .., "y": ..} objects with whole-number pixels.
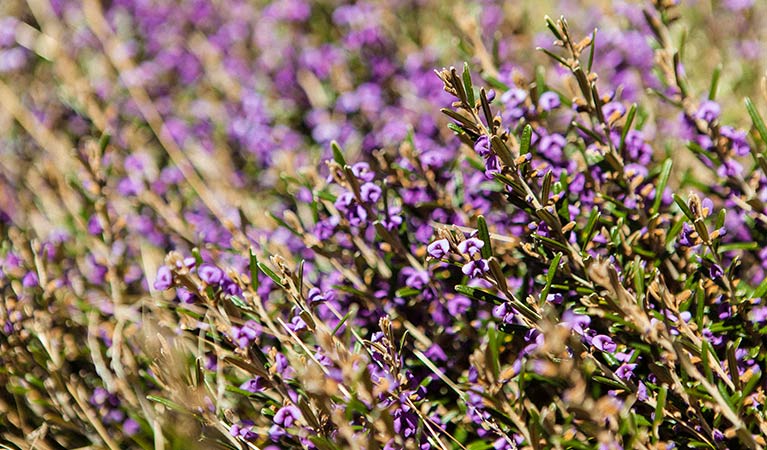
[{"x": 293, "y": 224}]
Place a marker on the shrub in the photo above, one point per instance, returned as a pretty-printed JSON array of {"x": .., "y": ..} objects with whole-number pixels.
[{"x": 251, "y": 227}]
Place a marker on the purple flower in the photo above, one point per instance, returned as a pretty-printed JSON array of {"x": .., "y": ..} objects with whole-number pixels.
[
  {"x": 472, "y": 246},
  {"x": 344, "y": 202},
  {"x": 185, "y": 296},
  {"x": 30, "y": 280},
  {"x": 686, "y": 237},
  {"x": 730, "y": 169},
  {"x": 370, "y": 193},
  {"x": 758, "y": 314},
  {"x": 611, "y": 108},
  {"x": 513, "y": 97},
  {"x": 708, "y": 111},
  {"x": 482, "y": 146},
  {"x": 94, "y": 225},
  {"x": 416, "y": 279},
  {"x": 315, "y": 296},
  {"x": 244, "y": 430},
  {"x": 362, "y": 171},
  {"x": 475, "y": 269},
  {"x": 548, "y": 101},
  {"x": 576, "y": 322},
  {"x": 626, "y": 371},
  {"x": 244, "y": 336},
  {"x": 556, "y": 298},
  {"x": 715, "y": 271},
  {"x": 642, "y": 392},
  {"x": 287, "y": 416},
  {"x": 439, "y": 248},
  {"x": 604, "y": 343},
  {"x": 297, "y": 324},
  {"x": 210, "y": 274},
  {"x": 504, "y": 312},
  {"x": 130, "y": 427},
  {"x": 254, "y": 385},
  {"x": 164, "y": 278}
]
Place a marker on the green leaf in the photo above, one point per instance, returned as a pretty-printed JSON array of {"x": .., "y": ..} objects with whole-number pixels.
[
  {"x": 627, "y": 126},
  {"x": 484, "y": 235},
  {"x": 610, "y": 382},
  {"x": 494, "y": 344},
  {"x": 665, "y": 173},
  {"x": 550, "y": 277},
  {"x": 104, "y": 141},
  {"x": 341, "y": 323},
  {"x": 270, "y": 273},
  {"x": 338, "y": 154},
  {"x": 527, "y": 136},
  {"x": 591, "y": 226},
  {"x": 406, "y": 292},
  {"x": 495, "y": 83},
  {"x": 553, "y": 28},
  {"x": 591, "y": 50},
  {"x": 327, "y": 196},
  {"x": 456, "y": 128},
  {"x": 168, "y": 403},
  {"x": 550, "y": 242},
  {"x": 660, "y": 406},
  {"x": 284, "y": 224},
  {"x": 757, "y": 119},
  {"x": 683, "y": 206},
  {"x": 479, "y": 294},
  {"x": 479, "y": 445},
  {"x": 714, "y": 82},
  {"x": 467, "y": 86},
  {"x": 760, "y": 290}
]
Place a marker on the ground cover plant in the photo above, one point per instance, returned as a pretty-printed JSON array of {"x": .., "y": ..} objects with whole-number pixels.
[{"x": 383, "y": 225}]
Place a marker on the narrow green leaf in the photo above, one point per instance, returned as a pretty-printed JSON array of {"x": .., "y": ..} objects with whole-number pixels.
[
  {"x": 757, "y": 119},
  {"x": 760, "y": 290},
  {"x": 341, "y": 323},
  {"x": 554, "y": 56},
  {"x": 104, "y": 141},
  {"x": 406, "y": 292},
  {"x": 456, "y": 128},
  {"x": 610, "y": 382},
  {"x": 168, "y": 403},
  {"x": 495, "y": 83},
  {"x": 527, "y": 136},
  {"x": 486, "y": 109},
  {"x": 270, "y": 273},
  {"x": 591, "y": 50},
  {"x": 660, "y": 406},
  {"x": 732, "y": 364},
  {"x": 479, "y": 294},
  {"x": 591, "y": 226},
  {"x": 665, "y": 173},
  {"x": 494, "y": 344},
  {"x": 550, "y": 277},
  {"x": 468, "y": 87},
  {"x": 700, "y": 305},
  {"x": 550, "y": 242},
  {"x": 327, "y": 196},
  {"x": 484, "y": 235},
  {"x": 283, "y": 224},
  {"x": 338, "y": 154},
  {"x": 552, "y": 26},
  {"x": 629, "y": 121},
  {"x": 714, "y": 82},
  {"x": 683, "y": 206},
  {"x": 253, "y": 270}
]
